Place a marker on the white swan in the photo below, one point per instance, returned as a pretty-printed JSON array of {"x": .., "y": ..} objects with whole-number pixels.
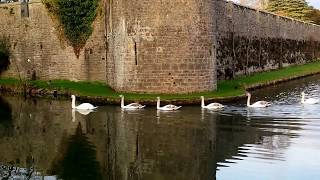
[
  {"x": 83, "y": 106},
  {"x": 308, "y": 101},
  {"x": 130, "y": 106},
  {"x": 213, "y": 106},
  {"x": 168, "y": 107},
  {"x": 259, "y": 104}
]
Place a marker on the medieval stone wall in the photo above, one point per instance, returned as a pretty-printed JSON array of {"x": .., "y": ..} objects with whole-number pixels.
[
  {"x": 250, "y": 41},
  {"x": 37, "y": 37},
  {"x": 161, "y": 46}
]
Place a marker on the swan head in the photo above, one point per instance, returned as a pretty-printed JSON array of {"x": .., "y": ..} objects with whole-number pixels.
[
  {"x": 73, "y": 96},
  {"x": 121, "y": 95},
  {"x": 158, "y": 98},
  {"x": 202, "y": 97},
  {"x": 248, "y": 94}
]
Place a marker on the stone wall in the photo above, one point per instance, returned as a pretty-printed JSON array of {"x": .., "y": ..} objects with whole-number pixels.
[
  {"x": 160, "y": 46},
  {"x": 37, "y": 37},
  {"x": 250, "y": 41}
]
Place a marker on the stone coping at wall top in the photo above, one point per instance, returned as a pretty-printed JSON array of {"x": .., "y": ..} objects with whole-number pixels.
[
  {"x": 226, "y": 1},
  {"x": 19, "y": 3},
  {"x": 268, "y": 13}
]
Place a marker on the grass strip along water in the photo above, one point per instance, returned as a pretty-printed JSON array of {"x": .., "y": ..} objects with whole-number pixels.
[{"x": 227, "y": 89}]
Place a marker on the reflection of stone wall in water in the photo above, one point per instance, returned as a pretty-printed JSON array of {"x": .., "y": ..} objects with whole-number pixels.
[
  {"x": 78, "y": 159},
  {"x": 238, "y": 137},
  {"x": 35, "y": 133},
  {"x": 6, "y": 127},
  {"x": 250, "y": 41},
  {"x": 42, "y": 132},
  {"x": 163, "y": 147},
  {"x": 37, "y": 130}
]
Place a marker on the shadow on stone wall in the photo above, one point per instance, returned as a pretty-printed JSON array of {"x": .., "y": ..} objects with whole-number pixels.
[{"x": 242, "y": 55}]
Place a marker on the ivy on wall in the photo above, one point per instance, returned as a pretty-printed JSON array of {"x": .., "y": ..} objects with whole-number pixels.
[
  {"x": 4, "y": 53},
  {"x": 76, "y": 17}
]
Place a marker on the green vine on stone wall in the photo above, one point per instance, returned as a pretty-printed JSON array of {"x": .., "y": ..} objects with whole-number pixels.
[
  {"x": 76, "y": 17},
  {"x": 4, "y": 53}
]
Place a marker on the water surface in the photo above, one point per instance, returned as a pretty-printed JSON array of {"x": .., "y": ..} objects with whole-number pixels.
[{"x": 42, "y": 138}]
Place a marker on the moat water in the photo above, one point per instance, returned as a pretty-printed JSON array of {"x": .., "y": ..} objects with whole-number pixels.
[{"x": 45, "y": 139}]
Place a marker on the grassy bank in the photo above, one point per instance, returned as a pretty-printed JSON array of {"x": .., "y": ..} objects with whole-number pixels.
[{"x": 226, "y": 88}]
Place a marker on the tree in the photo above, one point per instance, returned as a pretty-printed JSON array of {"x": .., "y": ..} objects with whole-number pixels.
[
  {"x": 314, "y": 16},
  {"x": 297, "y": 9}
]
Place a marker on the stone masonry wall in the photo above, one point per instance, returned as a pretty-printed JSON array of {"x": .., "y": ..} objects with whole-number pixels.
[
  {"x": 160, "y": 46},
  {"x": 250, "y": 41},
  {"x": 39, "y": 39}
]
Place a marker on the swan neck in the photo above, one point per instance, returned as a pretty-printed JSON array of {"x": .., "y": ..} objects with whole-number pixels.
[
  {"x": 202, "y": 102},
  {"x": 248, "y": 100},
  {"x": 73, "y": 103}
]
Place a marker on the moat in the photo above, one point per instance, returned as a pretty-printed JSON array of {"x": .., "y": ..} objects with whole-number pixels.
[{"x": 43, "y": 137}]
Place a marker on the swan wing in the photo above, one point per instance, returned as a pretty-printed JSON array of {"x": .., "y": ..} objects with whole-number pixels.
[
  {"x": 214, "y": 106},
  {"x": 137, "y": 105},
  {"x": 170, "y": 107},
  {"x": 134, "y": 106},
  {"x": 85, "y": 106},
  {"x": 261, "y": 104}
]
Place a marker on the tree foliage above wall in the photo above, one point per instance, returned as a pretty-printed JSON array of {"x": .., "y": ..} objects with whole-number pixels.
[
  {"x": 4, "y": 54},
  {"x": 314, "y": 16},
  {"x": 297, "y": 9},
  {"x": 76, "y": 17}
]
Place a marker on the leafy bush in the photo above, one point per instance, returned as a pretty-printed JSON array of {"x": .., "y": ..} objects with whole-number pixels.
[
  {"x": 76, "y": 17},
  {"x": 4, "y": 54}
]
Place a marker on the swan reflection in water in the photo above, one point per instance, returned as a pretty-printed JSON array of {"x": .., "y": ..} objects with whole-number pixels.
[
  {"x": 165, "y": 114},
  {"x": 80, "y": 111}
]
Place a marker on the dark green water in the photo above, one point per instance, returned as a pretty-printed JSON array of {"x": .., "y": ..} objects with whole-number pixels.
[{"x": 45, "y": 139}]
